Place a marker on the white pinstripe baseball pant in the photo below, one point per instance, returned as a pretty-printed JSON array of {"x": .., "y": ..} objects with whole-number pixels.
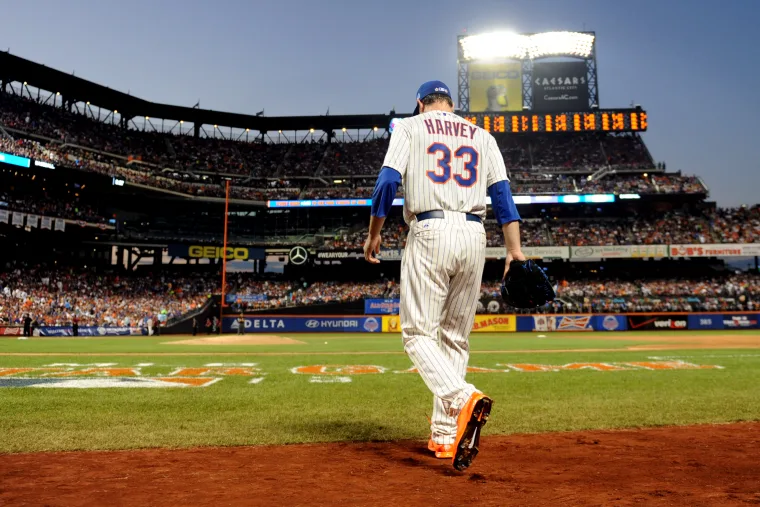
[{"x": 441, "y": 271}]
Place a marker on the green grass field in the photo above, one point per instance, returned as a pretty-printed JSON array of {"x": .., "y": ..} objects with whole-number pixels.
[{"x": 287, "y": 407}]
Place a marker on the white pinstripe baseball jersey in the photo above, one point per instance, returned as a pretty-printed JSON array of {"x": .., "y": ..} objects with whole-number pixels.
[{"x": 446, "y": 163}]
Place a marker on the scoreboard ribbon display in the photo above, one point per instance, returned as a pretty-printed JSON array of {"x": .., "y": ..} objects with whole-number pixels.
[{"x": 630, "y": 120}]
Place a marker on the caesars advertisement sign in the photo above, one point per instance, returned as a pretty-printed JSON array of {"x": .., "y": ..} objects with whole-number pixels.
[
  {"x": 560, "y": 87},
  {"x": 495, "y": 87}
]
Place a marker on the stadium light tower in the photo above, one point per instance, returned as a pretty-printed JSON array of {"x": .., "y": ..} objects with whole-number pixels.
[{"x": 498, "y": 47}]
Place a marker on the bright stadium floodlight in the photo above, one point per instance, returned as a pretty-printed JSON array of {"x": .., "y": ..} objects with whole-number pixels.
[
  {"x": 560, "y": 43},
  {"x": 495, "y": 45},
  {"x": 506, "y": 45}
]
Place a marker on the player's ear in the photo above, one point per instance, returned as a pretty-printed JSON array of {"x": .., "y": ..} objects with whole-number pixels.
[{"x": 421, "y": 106}]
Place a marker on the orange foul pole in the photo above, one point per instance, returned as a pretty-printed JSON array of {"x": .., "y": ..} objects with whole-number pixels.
[{"x": 224, "y": 253}]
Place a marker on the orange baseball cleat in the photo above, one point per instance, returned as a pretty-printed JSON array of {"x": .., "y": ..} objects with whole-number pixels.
[
  {"x": 442, "y": 451},
  {"x": 471, "y": 419}
]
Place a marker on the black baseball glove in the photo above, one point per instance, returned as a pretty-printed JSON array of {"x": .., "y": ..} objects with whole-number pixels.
[{"x": 526, "y": 285}]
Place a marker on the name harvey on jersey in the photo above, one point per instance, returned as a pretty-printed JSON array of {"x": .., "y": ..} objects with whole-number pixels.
[{"x": 450, "y": 128}]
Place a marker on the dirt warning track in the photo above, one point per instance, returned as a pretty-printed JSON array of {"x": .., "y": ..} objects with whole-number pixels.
[{"x": 696, "y": 465}]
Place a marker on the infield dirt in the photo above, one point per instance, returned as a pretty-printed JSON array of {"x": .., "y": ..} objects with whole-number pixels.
[{"x": 694, "y": 465}]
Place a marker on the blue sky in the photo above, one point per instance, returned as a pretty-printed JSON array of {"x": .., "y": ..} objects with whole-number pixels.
[{"x": 692, "y": 64}]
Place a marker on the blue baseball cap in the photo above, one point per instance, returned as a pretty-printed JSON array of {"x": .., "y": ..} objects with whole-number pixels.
[{"x": 430, "y": 88}]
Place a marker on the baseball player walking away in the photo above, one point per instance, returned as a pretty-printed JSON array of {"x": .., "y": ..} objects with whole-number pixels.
[{"x": 447, "y": 166}]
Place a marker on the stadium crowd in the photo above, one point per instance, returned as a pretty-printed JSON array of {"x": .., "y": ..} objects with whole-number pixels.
[
  {"x": 292, "y": 293},
  {"x": 738, "y": 292},
  {"x": 55, "y": 296},
  {"x": 722, "y": 225},
  {"x": 190, "y": 165}
]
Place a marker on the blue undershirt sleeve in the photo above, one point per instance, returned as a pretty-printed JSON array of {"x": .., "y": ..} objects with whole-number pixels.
[
  {"x": 385, "y": 191},
  {"x": 502, "y": 203}
]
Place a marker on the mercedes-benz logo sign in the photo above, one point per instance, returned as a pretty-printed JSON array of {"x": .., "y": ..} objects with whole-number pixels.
[{"x": 298, "y": 255}]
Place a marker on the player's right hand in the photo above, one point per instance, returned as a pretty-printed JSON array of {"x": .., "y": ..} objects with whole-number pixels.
[{"x": 371, "y": 248}]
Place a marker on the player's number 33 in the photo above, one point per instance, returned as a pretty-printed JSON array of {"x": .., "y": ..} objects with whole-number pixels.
[{"x": 442, "y": 172}]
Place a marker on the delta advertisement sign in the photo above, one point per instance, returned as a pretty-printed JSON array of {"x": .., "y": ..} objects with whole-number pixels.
[{"x": 268, "y": 324}]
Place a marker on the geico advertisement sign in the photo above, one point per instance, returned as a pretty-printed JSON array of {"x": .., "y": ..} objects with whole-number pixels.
[{"x": 216, "y": 252}]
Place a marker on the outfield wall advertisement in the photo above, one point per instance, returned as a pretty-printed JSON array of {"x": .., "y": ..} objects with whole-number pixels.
[
  {"x": 586, "y": 252},
  {"x": 495, "y": 87},
  {"x": 381, "y": 306},
  {"x": 694, "y": 321},
  {"x": 494, "y": 324},
  {"x": 571, "y": 323},
  {"x": 501, "y": 323},
  {"x": 92, "y": 331},
  {"x": 309, "y": 324},
  {"x": 531, "y": 252},
  {"x": 618, "y": 252},
  {"x": 482, "y": 324},
  {"x": 716, "y": 250},
  {"x": 560, "y": 87}
]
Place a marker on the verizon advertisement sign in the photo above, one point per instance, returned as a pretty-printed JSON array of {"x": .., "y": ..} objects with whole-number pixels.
[
  {"x": 716, "y": 250},
  {"x": 646, "y": 322}
]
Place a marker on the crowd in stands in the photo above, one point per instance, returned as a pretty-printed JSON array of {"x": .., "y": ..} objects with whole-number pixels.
[
  {"x": 729, "y": 225},
  {"x": 21, "y": 193},
  {"x": 68, "y": 208},
  {"x": 354, "y": 158},
  {"x": 281, "y": 294},
  {"x": 55, "y": 296},
  {"x": 190, "y": 165},
  {"x": 574, "y": 153},
  {"x": 58, "y": 296},
  {"x": 738, "y": 292},
  {"x": 723, "y": 225}
]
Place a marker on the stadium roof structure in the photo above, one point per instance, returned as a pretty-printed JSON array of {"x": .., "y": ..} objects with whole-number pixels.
[{"x": 74, "y": 89}]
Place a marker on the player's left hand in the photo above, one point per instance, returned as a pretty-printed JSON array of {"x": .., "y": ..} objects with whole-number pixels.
[
  {"x": 512, "y": 256},
  {"x": 371, "y": 249}
]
